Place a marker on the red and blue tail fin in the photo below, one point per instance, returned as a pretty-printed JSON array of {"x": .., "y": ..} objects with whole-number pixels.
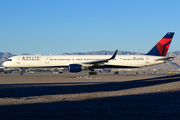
[{"x": 161, "y": 48}]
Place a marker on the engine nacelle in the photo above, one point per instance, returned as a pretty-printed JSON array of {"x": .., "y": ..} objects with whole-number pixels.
[{"x": 75, "y": 68}]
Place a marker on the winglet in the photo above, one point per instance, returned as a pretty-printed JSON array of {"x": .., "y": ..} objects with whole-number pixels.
[
  {"x": 102, "y": 61},
  {"x": 114, "y": 55}
]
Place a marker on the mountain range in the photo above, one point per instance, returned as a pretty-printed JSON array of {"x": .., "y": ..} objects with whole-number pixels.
[
  {"x": 173, "y": 64},
  {"x": 4, "y": 57}
]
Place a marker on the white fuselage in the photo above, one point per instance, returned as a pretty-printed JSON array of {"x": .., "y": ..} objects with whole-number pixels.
[{"x": 120, "y": 61}]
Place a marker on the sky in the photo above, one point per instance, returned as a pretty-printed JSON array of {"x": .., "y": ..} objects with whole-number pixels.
[{"x": 59, "y": 26}]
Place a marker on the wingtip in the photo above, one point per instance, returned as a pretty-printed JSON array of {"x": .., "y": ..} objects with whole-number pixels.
[{"x": 114, "y": 55}]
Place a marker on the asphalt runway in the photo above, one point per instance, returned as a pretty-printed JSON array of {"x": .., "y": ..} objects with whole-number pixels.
[{"x": 80, "y": 96}]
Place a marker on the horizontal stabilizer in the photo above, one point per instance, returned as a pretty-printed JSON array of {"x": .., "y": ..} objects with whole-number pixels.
[{"x": 166, "y": 58}]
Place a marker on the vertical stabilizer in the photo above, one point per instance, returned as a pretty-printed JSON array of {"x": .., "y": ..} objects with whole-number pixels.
[{"x": 161, "y": 48}]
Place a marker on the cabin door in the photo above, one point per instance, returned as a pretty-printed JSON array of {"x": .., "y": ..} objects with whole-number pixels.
[
  {"x": 147, "y": 60},
  {"x": 47, "y": 61},
  {"x": 18, "y": 60}
]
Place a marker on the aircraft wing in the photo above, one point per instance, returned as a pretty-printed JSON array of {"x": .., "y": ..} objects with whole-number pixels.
[
  {"x": 165, "y": 58},
  {"x": 101, "y": 61}
]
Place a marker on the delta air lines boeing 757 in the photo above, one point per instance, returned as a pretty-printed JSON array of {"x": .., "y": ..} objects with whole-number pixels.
[{"x": 77, "y": 63}]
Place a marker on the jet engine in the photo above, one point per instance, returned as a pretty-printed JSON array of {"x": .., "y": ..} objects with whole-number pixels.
[{"x": 75, "y": 68}]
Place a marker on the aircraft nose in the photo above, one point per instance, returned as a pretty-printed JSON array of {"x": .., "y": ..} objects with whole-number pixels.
[{"x": 4, "y": 64}]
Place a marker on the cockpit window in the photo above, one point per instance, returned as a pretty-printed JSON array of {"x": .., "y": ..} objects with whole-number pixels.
[{"x": 9, "y": 59}]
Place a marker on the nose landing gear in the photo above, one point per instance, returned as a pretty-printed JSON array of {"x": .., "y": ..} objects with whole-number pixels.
[{"x": 21, "y": 71}]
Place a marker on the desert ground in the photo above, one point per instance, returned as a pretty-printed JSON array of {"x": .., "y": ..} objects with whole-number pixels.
[{"x": 81, "y": 96}]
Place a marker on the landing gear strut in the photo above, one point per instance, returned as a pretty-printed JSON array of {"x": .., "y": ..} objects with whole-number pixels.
[
  {"x": 5, "y": 71},
  {"x": 92, "y": 72},
  {"x": 20, "y": 71}
]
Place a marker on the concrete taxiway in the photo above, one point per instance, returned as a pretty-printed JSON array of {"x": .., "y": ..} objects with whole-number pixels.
[{"x": 80, "y": 96}]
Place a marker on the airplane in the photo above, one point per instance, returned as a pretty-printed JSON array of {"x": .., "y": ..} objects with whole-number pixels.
[{"x": 77, "y": 63}]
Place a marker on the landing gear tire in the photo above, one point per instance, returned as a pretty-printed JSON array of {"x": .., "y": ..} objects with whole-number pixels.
[
  {"x": 116, "y": 72},
  {"x": 21, "y": 73},
  {"x": 93, "y": 73}
]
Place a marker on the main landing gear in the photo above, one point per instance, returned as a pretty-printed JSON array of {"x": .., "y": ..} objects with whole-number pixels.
[{"x": 92, "y": 72}]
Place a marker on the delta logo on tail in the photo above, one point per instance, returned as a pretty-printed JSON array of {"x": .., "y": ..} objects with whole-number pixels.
[{"x": 161, "y": 48}]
